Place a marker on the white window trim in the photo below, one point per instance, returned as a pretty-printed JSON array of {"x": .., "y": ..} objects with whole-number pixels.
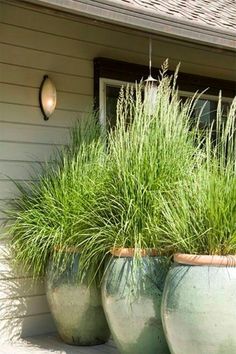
[
  {"x": 103, "y": 82},
  {"x": 205, "y": 96}
]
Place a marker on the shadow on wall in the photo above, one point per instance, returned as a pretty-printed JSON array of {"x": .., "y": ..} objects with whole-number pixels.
[{"x": 23, "y": 307}]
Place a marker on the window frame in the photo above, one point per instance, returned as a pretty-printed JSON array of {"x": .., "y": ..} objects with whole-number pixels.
[
  {"x": 103, "y": 83},
  {"x": 206, "y": 96}
]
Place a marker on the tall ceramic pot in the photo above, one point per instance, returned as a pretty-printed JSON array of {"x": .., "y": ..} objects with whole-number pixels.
[
  {"x": 131, "y": 296},
  {"x": 75, "y": 306},
  {"x": 199, "y": 305}
]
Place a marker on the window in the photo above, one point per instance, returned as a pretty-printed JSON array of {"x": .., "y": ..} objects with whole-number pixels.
[
  {"x": 110, "y": 75},
  {"x": 109, "y": 91},
  {"x": 207, "y": 107}
]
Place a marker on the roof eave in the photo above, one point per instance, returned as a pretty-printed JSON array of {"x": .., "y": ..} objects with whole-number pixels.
[{"x": 144, "y": 20}]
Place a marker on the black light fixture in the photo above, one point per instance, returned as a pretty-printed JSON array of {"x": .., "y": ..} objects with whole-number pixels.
[
  {"x": 150, "y": 85},
  {"x": 47, "y": 97}
]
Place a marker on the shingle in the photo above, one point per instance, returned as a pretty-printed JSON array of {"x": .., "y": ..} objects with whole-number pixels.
[{"x": 218, "y": 14}]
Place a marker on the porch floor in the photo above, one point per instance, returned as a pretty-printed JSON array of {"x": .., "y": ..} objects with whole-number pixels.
[{"x": 52, "y": 344}]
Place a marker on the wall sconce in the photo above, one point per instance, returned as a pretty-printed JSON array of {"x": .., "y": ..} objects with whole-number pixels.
[{"x": 47, "y": 97}]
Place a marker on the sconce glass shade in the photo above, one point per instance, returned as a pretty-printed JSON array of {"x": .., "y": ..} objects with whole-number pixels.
[
  {"x": 47, "y": 97},
  {"x": 150, "y": 94}
]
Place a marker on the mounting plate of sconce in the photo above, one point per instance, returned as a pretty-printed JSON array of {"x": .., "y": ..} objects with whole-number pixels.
[{"x": 47, "y": 97}]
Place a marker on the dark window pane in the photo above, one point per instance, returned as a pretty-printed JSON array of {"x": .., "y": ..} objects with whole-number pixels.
[
  {"x": 207, "y": 109},
  {"x": 112, "y": 95}
]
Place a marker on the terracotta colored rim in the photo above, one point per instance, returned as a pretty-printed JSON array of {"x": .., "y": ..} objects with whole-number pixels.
[
  {"x": 58, "y": 248},
  {"x": 205, "y": 260},
  {"x": 130, "y": 252}
]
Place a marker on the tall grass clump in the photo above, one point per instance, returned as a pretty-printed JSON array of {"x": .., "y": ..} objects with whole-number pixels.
[
  {"x": 50, "y": 214},
  {"x": 149, "y": 153},
  {"x": 200, "y": 218}
]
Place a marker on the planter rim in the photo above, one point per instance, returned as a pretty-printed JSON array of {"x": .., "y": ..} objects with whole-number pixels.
[
  {"x": 205, "y": 260},
  {"x": 71, "y": 249},
  {"x": 131, "y": 252}
]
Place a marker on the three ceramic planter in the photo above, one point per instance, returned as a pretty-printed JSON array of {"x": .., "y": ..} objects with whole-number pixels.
[
  {"x": 75, "y": 306},
  {"x": 131, "y": 296},
  {"x": 199, "y": 305}
]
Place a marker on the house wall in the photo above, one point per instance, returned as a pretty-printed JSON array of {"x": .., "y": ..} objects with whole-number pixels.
[{"x": 35, "y": 42}]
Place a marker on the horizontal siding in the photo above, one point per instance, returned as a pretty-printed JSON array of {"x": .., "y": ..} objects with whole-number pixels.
[
  {"x": 14, "y": 328},
  {"x": 50, "y": 62},
  {"x": 23, "y": 306},
  {"x": 9, "y": 270},
  {"x": 34, "y": 42},
  {"x": 19, "y": 171},
  {"x": 28, "y": 96},
  {"x": 23, "y": 288},
  {"x": 26, "y": 151},
  {"x": 8, "y": 190},
  {"x": 17, "y": 113},
  {"x": 33, "y": 134},
  {"x": 16, "y": 74},
  {"x": 208, "y": 64},
  {"x": 44, "y": 321}
]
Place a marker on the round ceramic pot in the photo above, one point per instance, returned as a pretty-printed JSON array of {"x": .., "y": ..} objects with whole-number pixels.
[
  {"x": 75, "y": 306},
  {"x": 131, "y": 296},
  {"x": 199, "y": 305}
]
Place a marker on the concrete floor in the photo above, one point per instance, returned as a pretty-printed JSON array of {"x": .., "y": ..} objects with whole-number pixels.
[{"x": 51, "y": 344}]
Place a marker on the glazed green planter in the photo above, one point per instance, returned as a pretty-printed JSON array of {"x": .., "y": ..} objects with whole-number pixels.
[
  {"x": 131, "y": 295},
  {"x": 75, "y": 306},
  {"x": 199, "y": 308}
]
